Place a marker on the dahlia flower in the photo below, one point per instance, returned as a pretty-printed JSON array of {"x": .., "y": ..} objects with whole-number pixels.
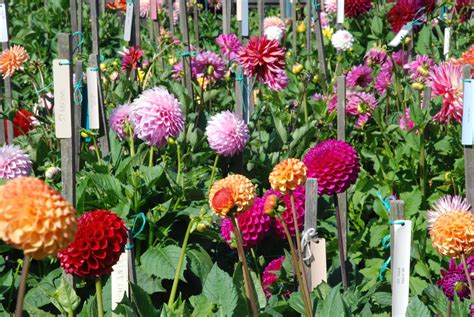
[
  {"x": 215, "y": 4},
  {"x": 420, "y": 68},
  {"x": 454, "y": 279},
  {"x": 330, "y": 6},
  {"x": 384, "y": 79},
  {"x": 100, "y": 240},
  {"x": 117, "y": 120},
  {"x": 14, "y": 162},
  {"x": 355, "y": 8},
  {"x": 335, "y": 164},
  {"x": 359, "y": 76},
  {"x": 467, "y": 58},
  {"x": 156, "y": 116},
  {"x": 464, "y": 9},
  {"x": 131, "y": 58},
  {"x": 324, "y": 19},
  {"x": 52, "y": 172},
  {"x": 209, "y": 65},
  {"x": 342, "y": 40},
  {"x": 451, "y": 226},
  {"x": 22, "y": 122},
  {"x": 446, "y": 81},
  {"x": 361, "y": 105},
  {"x": 145, "y": 7},
  {"x": 177, "y": 73},
  {"x": 270, "y": 278},
  {"x": 230, "y": 46},
  {"x": 405, "y": 121},
  {"x": 12, "y": 59},
  {"x": 274, "y": 28},
  {"x": 117, "y": 5},
  {"x": 376, "y": 56},
  {"x": 400, "y": 57},
  {"x": 273, "y": 33},
  {"x": 35, "y": 218},
  {"x": 175, "y": 12},
  {"x": 241, "y": 191},
  {"x": 287, "y": 175},
  {"x": 403, "y": 12},
  {"x": 227, "y": 134}
]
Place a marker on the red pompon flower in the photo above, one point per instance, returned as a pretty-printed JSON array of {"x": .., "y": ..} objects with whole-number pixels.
[
  {"x": 403, "y": 12},
  {"x": 335, "y": 164},
  {"x": 270, "y": 280},
  {"x": 354, "y": 8},
  {"x": 131, "y": 58},
  {"x": 100, "y": 240},
  {"x": 22, "y": 122}
]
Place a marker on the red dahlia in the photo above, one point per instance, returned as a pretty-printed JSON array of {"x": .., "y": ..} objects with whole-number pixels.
[
  {"x": 354, "y": 8},
  {"x": 403, "y": 12},
  {"x": 100, "y": 240}
]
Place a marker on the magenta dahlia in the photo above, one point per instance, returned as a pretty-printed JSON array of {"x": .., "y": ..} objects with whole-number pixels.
[
  {"x": 420, "y": 68},
  {"x": 209, "y": 65},
  {"x": 359, "y": 76},
  {"x": 230, "y": 46},
  {"x": 335, "y": 164},
  {"x": 384, "y": 79},
  {"x": 405, "y": 121},
  {"x": 269, "y": 276},
  {"x": 227, "y": 133},
  {"x": 355, "y": 8},
  {"x": 131, "y": 58},
  {"x": 117, "y": 120},
  {"x": 376, "y": 56},
  {"x": 14, "y": 162},
  {"x": 361, "y": 105},
  {"x": 400, "y": 57},
  {"x": 454, "y": 279}
]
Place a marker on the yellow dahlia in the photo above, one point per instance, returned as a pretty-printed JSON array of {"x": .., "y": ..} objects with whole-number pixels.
[
  {"x": 35, "y": 218},
  {"x": 12, "y": 60},
  {"x": 451, "y": 225},
  {"x": 287, "y": 175},
  {"x": 233, "y": 191}
]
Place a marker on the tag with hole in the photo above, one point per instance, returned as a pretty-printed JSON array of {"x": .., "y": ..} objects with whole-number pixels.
[
  {"x": 468, "y": 113},
  {"x": 401, "y": 35},
  {"x": 3, "y": 23},
  {"x": 245, "y": 17},
  {"x": 340, "y": 12},
  {"x": 401, "y": 267},
  {"x": 447, "y": 39},
  {"x": 128, "y": 22},
  {"x": 120, "y": 279},
  {"x": 93, "y": 97},
  {"x": 239, "y": 10},
  {"x": 318, "y": 266},
  {"x": 62, "y": 98}
]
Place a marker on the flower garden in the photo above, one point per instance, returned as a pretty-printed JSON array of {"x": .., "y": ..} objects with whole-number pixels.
[{"x": 237, "y": 158}]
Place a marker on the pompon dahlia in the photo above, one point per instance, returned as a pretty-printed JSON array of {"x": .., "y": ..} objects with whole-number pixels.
[
  {"x": 209, "y": 65},
  {"x": 342, "y": 40},
  {"x": 227, "y": 134},
  {"x": 454, "y": 279},
  {"x": 22, "y": 122},
  {"x": 230, "y": 46},
  {"x": 131, "y": 58},
  {"x": 234, "y": 191},
  {"x": 446, "y": 81},
  {"x": 330, "y": 6},
  {"x": 265, "y": 59},
  {"x": 156, "y": 116},
  {"x": 361, "y": 105},
  {"x": 451, "y": 225},
  {"x": 269, "y": 276},
  {"x": 117, "y": 120},
  {"x": 35, "y": 218},
  {"x": 14, "y": 162},
  {"x": 117, "y": 5},
  {"x": 355, "y": 8},
  {"x": 100, "y": 240},
  {"x": 403, "y": 12},
  {"x": 12, "y": 59},
  {"x": 359, "y": 76},
  {"x": 287, "y": 175},
  {"x": 335, "y": 164},
  {"x": 467, "y": 58},
  {"x": 253, "y": 224}
]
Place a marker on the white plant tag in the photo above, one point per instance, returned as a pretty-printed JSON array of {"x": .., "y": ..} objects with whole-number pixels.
[
  {"x": 62, "y": 98},
  {"x": 401, "y": 35},
  {"x": 245, "y": 17},
  {"x": 128, "y": 22},
  {"x": 3, "y": 23},
  {"x": 239, "y": 10},
  {"x": 447, "y": 39},
  {"x": 468, "y": 113},
  {"x": 318, "y": 266},
  {"x": 340, "y": 12},
  {"x": 401, "y": 267},
  {"x": 93, "y": 97},
  {"x": 120, "y": 279}
]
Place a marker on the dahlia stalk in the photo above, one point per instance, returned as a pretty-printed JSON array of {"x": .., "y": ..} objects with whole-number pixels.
[
  {"x": 22, "y": 287},
  {"x": 100, "y": 302},
  {"x": 468, "y": 277}
]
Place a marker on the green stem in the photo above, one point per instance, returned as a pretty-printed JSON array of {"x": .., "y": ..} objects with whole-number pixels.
[
  {"x": 22, "y": 287},
  {"x": 178, "y": 176},
  {"x": 96, "y": 148},
  {"x": 150, "y": 162},
  {"x": 422, "y": 166},
  {"x": 98, "y": 291},
  {"x": 174, "y": 288},
  {"x": 213, "y": 173},
  {"x": 70, "y": 312},
  {"x": 468, "y": 276},
  {"x": 131, "y": 140}
]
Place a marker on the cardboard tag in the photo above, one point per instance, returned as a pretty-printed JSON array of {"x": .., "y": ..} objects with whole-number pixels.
[
  {"x": 401, "y": 267},
  {"x": 120, "y": 279},
  {"x": 319, "y": 271},
  {"x": 93, "y": 97},
  {"x": 340, "y": 12},
  {"x": 3, "y": 23},
  {"x": 239, "y": 10},
  {"x": 128, "y": 22},
  {"x": 153, "y": 10},
  {"x": 447, "y": 39},
  {"x": 401, "y": 35},
  {"x": 62, "y": 98},
  {"x": 468, "y": 113},
  {"x": 245, "y": 17}
]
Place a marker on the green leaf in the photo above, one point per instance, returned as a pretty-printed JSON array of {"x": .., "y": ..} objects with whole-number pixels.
[
  {"x": 417, "y": 285},
  {"x": 162, "y": 262},
  {"x": 332, "y": 305},
  {"x": 142, "y": 301},
  {"x": 201, "y": 262},
  {"x": 377, "y": 25},
  {"x": 40, "y": 295},
  {"x": 202, "y": 306},
  {"x": 262, "y": 299},
  {"x": 220, "y": 290},
  {"x": 65, "y": 298},
  {"x": 108, "y": 184},
  {"x": 417, "y": 309},
  {"x": 383, "y": 299},
  {"x": 151, "y": 175},
  {"x": 280, "y": 129}
]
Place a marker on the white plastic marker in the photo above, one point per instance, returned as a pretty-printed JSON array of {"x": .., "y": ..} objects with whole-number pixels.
[
  {"x": 468, "y": 113},
  {"x": 93, "y": 97},
  {"x": 3, "y": 23},
  {"x": 340, "y": 12},
  {"x": 239, "y": 10},
  {"x": 319, "y": 271},
  {"x": 62, "y": 98},
  {"x": 128, "y": 21},
  {"x": 447, "y": 39},
  {"x": 245, "y": 17},
  {"x": 401, "y": 267},
  {"x": 401, "y": 35},
  {"x": 120, "y": 279}
]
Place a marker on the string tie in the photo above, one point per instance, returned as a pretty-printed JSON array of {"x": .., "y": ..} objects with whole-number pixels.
[
  {"x": 133, "y": 232},
  {"x": 308, "y": 235},
  {"x": 78, "y": 91},
  {"x": 81, "y": 41}
]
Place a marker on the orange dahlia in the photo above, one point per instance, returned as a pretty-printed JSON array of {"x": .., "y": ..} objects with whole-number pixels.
[
  {"x": 467, "y": 58},
  {"x": 35, "y": 218},
  {"x": 234, "y": 191},
  {"x": 12, "y": 60},
  {"x": 287, "y": 175},
  {"x": 451, "y": 225}
]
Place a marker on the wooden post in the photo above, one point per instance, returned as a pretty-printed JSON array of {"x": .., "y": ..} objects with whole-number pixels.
[
  {"x": 102, "y": 6},
  {"x": 309, "y": 18},
  {"x": 310, "y": 218},
  {"x": 74, "y": 23},
  {"x": 319, "y": 41},
  {"x": 411, "y": 48},
  {"x": 282, "y": 9},
  {"x": 170, "y": 16},
  {"x": 294, "y": 26},
  {"x": 77, "y": 92},
  {"x": 226, "y": 16},
  {"x": 7, "y": 86},
  {"x": 183, "y": 24},
  {"x": 135, "y": 40},
  {"x": 468, "y": 155},
  {"x": 425, "y": 105},
  {"x": 196, "y": 23},
  {"x": 397, "y": 212},
  {"x": 261, "y": 15}
]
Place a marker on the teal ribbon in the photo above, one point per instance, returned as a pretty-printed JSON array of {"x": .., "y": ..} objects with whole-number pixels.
[
  {"x": 78, "y": 91},
  {"x": 186, "y": 54},
  {"x": 386, "y": 245},
  {"x": 133, "y": 231},
  {"x": 81, "y": 41},
  {"x": 95, "y": 69},
  {"x": 43, "y": 89},
  {"x": 386, "y": 201},
  {"x": 417, "y": 19},
  {"x": 443, "y": 11}
]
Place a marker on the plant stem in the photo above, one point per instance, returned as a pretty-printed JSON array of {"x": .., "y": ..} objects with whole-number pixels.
[
  {"x": 245, "y": 269},
  {"x": 182, "y": 255},
  {"x": 22, "y": 288},
  {"x": 213, "y": 173},
  {"x": 98, "y": 291},
  {"x": 422, "y": 166},
  {"x": 178, "y": 176},
  {"x": 468, "y": 276},
  {"x": 96, "y": 148},
  {"x": 131, "y": 141},
  {"x": 450, "y": 308},
  {"x": 150, "y": 162}
]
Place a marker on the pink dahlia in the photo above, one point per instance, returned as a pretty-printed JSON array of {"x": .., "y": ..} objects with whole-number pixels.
[
  {"x": 253, "y": 224},
  {"x": 227, "y": 133},
  {"x": 14, "y": 162},
  {"x": 446, "y": 81},
  {"x": 355, "y": 8},
  {"x": 330, "y": 6},
  {"x": 420, "y": 68},
  {"x": 405, "y": 121},
  {"x": 359, "y": 76},
  {"x": 376, "y": 56},
  {"x": 335, "y": 164},
  {"x": 269, "y": 277},
  {"x": 209, "y": 65},
  {"x": 177, "y": 73},
  {"x": 384, "y": 79},
  {"x": 400, "y": 57},
  {"x": 156, "y": 116},
  {"x": 131, "y": 58},
  {"x": 265, "y": 59},
  {"x": 145, "y": 6},
  {"x": 215, "y": 4},
  {"x": 117, "y": 120},
  {"x": 454, "y": 279},
  {"x": 230, "y": 46},
  {"x": 361, "y": 105}
]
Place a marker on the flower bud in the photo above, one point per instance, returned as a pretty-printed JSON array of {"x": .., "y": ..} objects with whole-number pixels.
[
  {"x": 418, "y": 86},
  {"x": 103, "y": 67},
  {"x": 407, "y": 40},
  {"x": 301, "y": 28},
  {"x": 297, "y": 68}
]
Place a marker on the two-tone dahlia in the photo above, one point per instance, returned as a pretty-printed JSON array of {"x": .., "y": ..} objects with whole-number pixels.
[
  {"x": 14, "y": 162},
  {"x": 274, "y": 28},
  {"x": 35, "y": 218},
  {"x": 355, "y": 8},
  {"x": 100, "y": 240},
  {"x": 209, "y": 65},
  {"x": 230, "y": 46},
  {"x": 227, "y": 134},
  {"x": 359, "y": 76},
  {"x": 145, "y": 7},
  {"x": 156, "y": 116},
  {"x": 270, "y": 280},
  {"x": 342, "y": 40},
  {"x": 131, "y": 58},
  {"x": 12, "y": 59},
  {"x": 361, "y": 105},
  {"x": 451, "y": 226},
  {"x": 117, "y": 120},
  {"x": 233, "y": 193},
  {"x": 467, "y": 58},
  {"x": 287, "y": 175},
  {"x": 335, "y": 164},
  {"x": 420, "y": 68},
  {"x": 453, "y": 280}
]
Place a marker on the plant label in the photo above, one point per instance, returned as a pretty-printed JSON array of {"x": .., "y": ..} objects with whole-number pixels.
[
  {"x": 447, "y": 38},
  {"x": 401, "y": 267},
  {"x": 401, "y": 35},
  {"x": 128, "y": 22},
  {"x": 153, "y": 14},
  {"x": 93, "y": 97},
  {"x": 318, "y": 266},
  {"x": 468, "y": 113},
  {"x": 245, "y": 17},
  {"x": 3, "y": 23},
  {"x": 239, "y": 10},
  {"x": 119, "y": 287},
  {"x": 62, "y": 98},
  {"x": 340, "y": 12}
]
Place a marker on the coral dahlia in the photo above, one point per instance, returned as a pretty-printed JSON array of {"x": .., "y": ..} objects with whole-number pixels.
[
  {"x": 12, "y": 59},
  {"x": 234, "y": 191},
  {"x": 287, "y": 175}
]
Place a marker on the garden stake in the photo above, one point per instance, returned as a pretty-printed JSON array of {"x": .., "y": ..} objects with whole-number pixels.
[
  {"x": 309, "y": 29},
  {"x": 397, "y": 212},
  {"x": 319, "y": 41},
  {"x": 294, "y": 27},
  {"x": 261, "y": 15},
  {"x": 310, "y": 217},
  {"x": 468, "y": 154},
  {"x": 342, "y": 254},
  {"x": 22, "y": 288},
  {"x": 170, "y": 16},
  {"x": 183, "y": 24},
  {"x": 100, "y": 302},
  {"x": 7, "y": 82}
]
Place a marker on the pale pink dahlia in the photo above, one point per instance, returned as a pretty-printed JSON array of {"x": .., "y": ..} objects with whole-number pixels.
[
  {"x": 209, "y": 65},
  {"x": 253, "y": 224},
  {"x": 330, "y": 6},
  {"x": 274, "y": 28},
  {"x": 14, "y": 162},
  {"x": 335, "y": 164},
  {"x": 361, "y": 105},
  {"x": 446, "y": 81},
  {"x": 117, "y": 120},
  {"x": 420, "y": 68},
  {"x": 230, "y": 46},
  {"x": 405, "y": 121},
  {"x": 145, "y": 6},
  {"x": 227, "y": 134},
  {"x": 215, "y": 4},
  {"x": 269, "y": 277},
  {"x": 359, "y": 76},
  {"x": 156, "y": 116}
]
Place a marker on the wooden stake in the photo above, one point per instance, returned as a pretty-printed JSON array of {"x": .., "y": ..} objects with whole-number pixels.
[
  {"x": 74, "y": 23},
  {"x": 468, "y": 154},
  {"x": 7, "y": 86},
  {"x": 310, "y": 218},
  {"x": 102, "y": 6},
  {"x": 196, "y": 24},
  {"x": 309, "y": 29},
  {"x": 426, "y": 98},
  {"x": 319, "y": 41},
  {"x": 183, "y": 24},
  {"x": 283, "y": 9},
  {"x": 78, "y": 73},
  {"x": 170, "y": 16},
  {"x": 294, "y": 26},
  {"x": 226, "y": 16},
  {"x": 397, "y": 212},
  {"x": 135, "y": 40},
  {"x": 261, "y": 15}
]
